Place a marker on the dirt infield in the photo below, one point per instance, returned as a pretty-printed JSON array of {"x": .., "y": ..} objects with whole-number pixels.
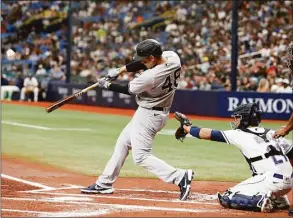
[
  {"x": 33, "y": 189},
  {"x": 30, "y": 189}
]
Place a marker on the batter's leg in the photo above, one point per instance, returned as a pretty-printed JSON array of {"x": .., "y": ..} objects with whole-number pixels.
[
  {"x": 105, "y": 181},
  {"x": 145, "y": 127}
]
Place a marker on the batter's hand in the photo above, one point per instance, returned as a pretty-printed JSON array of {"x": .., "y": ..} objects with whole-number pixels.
[
  {"x": 280, "y": 133},
  {"x": 113, "y": 74},
  {"x": 103, "y": 83}
]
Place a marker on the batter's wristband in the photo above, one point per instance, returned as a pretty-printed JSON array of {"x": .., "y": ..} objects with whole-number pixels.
[{"x": 194, "y": 131}]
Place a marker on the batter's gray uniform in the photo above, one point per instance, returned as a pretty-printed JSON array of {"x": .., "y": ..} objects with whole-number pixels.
[{"x": 153, "y": 88}]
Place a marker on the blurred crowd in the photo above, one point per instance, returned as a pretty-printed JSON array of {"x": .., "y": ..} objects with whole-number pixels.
[{"x": 104, "y": 35}]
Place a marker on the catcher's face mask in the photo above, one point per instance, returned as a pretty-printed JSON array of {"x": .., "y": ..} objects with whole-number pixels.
[{"x": 237, "y": 120}]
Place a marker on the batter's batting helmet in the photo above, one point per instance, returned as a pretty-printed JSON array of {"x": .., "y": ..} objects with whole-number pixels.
[
  {"x": 249, "y": 115},
  {"x": 146, "y": 48}
]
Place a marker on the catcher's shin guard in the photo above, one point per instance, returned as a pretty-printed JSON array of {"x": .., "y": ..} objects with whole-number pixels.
[{"x": 257, "y": 203}]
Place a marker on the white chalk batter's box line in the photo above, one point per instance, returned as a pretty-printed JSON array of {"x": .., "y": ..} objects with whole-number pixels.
[
  {"x": 194, "y": 195},
  {"x": 80, "y": 213},
  {"x": 44, "y": 188},
  {"x": 49, "y": 191},
  {"x": 126, "y": 197},
  {"x": 113, "y": 206},
  {"x": 83, "y": 200},
  {"x": 198, "y": 197}
]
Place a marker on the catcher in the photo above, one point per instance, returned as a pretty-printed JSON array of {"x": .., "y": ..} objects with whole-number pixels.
[
  {"x": 266, "y": 190},
  {"x": 289, "y": 127}
]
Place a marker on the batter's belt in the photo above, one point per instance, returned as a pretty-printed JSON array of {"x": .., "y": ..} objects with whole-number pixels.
[{"x": 165, "y": 109}]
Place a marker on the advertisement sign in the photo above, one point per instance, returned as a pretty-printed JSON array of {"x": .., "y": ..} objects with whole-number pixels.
[{"x": 274, "y": 106}]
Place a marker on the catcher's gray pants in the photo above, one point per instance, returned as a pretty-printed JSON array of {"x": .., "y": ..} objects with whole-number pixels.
[{"x": 138, "y": 135}]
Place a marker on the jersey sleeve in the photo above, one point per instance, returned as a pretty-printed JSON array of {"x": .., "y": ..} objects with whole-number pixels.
[
  {"x": 142, "y": 83},
  {"x": 236, "y": 138}
]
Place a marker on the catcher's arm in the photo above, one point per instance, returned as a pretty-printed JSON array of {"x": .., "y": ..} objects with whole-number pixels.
[{"x": 200, "y": 133}]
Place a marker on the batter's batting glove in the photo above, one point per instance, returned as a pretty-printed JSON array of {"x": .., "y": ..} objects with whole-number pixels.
[
  {"x": 104, "y": 83},
  {"x": 113, "y": 74},
  {"x": 180, "y": 133}
]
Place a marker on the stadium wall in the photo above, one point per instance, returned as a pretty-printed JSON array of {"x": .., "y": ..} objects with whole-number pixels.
[{"x": 276, "y": 106}]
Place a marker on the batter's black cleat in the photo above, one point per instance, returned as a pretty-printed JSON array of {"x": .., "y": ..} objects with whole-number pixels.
[
  {"x": 185, "y": 185},
  {"x": 96, "y": 189}
]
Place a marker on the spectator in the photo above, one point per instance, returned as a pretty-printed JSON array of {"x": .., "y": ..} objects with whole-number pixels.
[
  {"x": 19, "y": 81},
  {"x": 287, "y": 88},
  {"x": 204, "y": 84},
  {"x": 30, "y": 85},
  {"x": 41, "y": 71},
  {"x": 199, "y": 31},
  {"x": 57, "y": 74},
  {"x": 4, "y": 81},
  {"x": 263, "y": 85},
  {"x": 278, "y": 86},
  {"x": 7, "y": 89}
]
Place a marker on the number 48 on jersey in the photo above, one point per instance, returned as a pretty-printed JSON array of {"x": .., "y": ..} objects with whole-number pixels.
[{"x": 168, "y": 84}]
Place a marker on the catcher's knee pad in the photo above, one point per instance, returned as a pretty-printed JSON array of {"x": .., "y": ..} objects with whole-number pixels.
[{"x": 240, "y": 201}]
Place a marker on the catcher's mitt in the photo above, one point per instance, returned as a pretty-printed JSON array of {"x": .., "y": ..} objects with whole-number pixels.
[{"x": 180, "y": 133}]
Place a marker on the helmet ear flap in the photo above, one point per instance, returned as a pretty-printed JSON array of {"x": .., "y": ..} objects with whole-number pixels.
[
  {"x": 254, "y": 118},
  {"x": 245, "y": 122}
]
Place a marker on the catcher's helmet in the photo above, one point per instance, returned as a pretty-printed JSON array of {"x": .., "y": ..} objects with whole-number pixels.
[
  {"x": 249, "y": 115},
  {"x": 146, "y": 48}
]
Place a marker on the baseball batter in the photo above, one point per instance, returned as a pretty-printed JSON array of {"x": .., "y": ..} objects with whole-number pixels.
[
  {"x": 266, "y": 156},
  {"x": 154, "y": 89}
]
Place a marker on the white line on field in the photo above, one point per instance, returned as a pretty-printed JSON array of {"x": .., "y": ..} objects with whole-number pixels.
[
  {"x": 63, "y": 214},
  {"x": 194, "y": 195},
  {"x": 35, "y": 184},
  {"x": 71, "y": 129},
  {"x": 138, "y": 190},
  {"x": 47, "y": 188},
  {"x": 24, "y": 211},
  {"x": 163, "y": 191},
  {"x": 118, "y": 206},
  {"x": 128, "y": 198},
  {"x": 25, "y": 125},
  {"x": 79, "y": 214},
  {"x": 170, "y": 132},
  {"x": 42, "y": 127},
  {"x": 52, "y": 189}
]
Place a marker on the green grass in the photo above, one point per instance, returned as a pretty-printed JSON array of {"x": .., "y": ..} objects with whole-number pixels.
[{"x": 88, "y": 152}]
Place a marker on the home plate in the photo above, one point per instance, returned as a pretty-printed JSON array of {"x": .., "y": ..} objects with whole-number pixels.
[{"x": 70, "y": 199}]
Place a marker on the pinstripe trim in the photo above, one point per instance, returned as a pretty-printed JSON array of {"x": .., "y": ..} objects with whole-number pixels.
[
  {"x": 225, "y": 137},
  {"x": 128, "y": 87},
  {"x": 251, "y": 183}
]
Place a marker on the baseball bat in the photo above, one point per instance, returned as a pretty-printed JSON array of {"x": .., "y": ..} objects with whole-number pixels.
[{"x": 65, "y": 100}]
